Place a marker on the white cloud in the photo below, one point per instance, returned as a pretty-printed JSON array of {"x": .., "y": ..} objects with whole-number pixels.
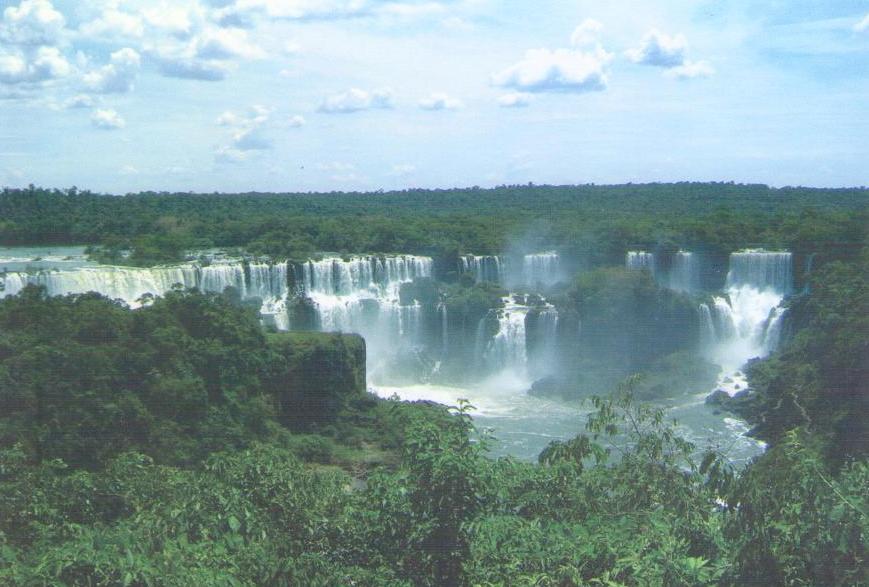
[
  {"x": 248, "y": 134},
  {"x": 226, "y": 43},
  {"x": 355, "y": 100},
  {"x": 691, "y": 70},
  {"x": 176, "y": 20},
  {"x": 115, "y": 24},
  {"x": 296, "y": 121},
  {"x": 229, "y": 155},
  {"x": 42, "y": 65},
  {"x": 561, "y": 70},
  {"x": 32, "y": 22},
  {"x": 107, "y": 119},
  {"x": 587, "y": 33},
  {"x": 439, "y": 101},
  {"x": 863, "y": 25},
  {"x": 514, "y": 100},
  {"x": 336, "y": 166},
  {"x": 402, "y": 169},
  {"x": 242, "y": 12},
  {"x": 117, "y": 76},
  {"x": 128, "y": 170},
  {"x": 659, "y": 50},
  {"x": 80, "y": 101},
  {"x": 190, "y": 68}
]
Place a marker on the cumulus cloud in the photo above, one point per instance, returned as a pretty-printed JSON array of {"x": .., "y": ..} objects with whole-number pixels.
[
  {"x": 40, "y": 65},
  {"x": 226, "y": 43},
  {"x": 296, "y": 121},
  {"x": 659, "y": 50},
  {"x": 114, "y": 23},
  {"x": 191, "y": 68},
  {"x": 439, "y": 101},
  {"x": 691, "y": 70},
  {"x": 514, "y": 100},
  {"x": 208, "y": 55},
  {"x": 32, "y": 22},
  {"x": 107, "y": 119},
  {"x": 248, "y": 133},
  {"x": 80, "y": 101},
  {"x": 587, "y": 33},
  {"x": 355, "y": 100},
  {"x": 176, "y": 20},
  {"x": 561, "y": 70},
  {"x": 117, "y": 76},
  {"x": 863, "y": 25},
  {"x": 402, "y": 169},
  {"x": 670, "y": 53},
  {"x": 242, "y": 12}
]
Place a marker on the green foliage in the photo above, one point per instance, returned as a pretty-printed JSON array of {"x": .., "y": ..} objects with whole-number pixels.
[
  {"x": 594, "y": 223},
  {"x": 821, "y": 380}
]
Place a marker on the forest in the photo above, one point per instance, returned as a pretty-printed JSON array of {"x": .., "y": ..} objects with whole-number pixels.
[{"x": 181, "y": 443}]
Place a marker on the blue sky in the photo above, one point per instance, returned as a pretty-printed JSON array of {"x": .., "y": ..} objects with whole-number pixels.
[{"x": 301, "y": 95}]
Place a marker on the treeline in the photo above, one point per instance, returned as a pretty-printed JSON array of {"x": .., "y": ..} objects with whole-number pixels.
[{"x": 597, "y": 223}]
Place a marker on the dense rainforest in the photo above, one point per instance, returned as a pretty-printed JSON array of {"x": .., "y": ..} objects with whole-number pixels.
[
  {"x": 182, "y": 444},
  {"x": 597, "y": 223}
]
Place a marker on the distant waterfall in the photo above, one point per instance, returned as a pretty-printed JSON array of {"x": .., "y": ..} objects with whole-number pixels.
[
  {"x": 684, "y": 274},
  {"x": 361, "y": 295},
  {"x": 542, "y": 336},
  {"x": 507, "y": 349},
  {"x": 748, "y": 322},
  {"x": 445, "y": 332},
  {"x": 640, "y": 261},
  {"x": 126, "y": 283},
  {"x": 482, "y": 267},
  {"x": 761, "y": 270},
  {"x": 540, "y": 269}
]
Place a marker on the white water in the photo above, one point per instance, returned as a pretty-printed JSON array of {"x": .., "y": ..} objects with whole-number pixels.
[
  {"x": 640, "y": 261},
  {"x": 361, "y": 294},
  {"x": 541, "y": 269},
  {"x": 684, "y": 273},
  {"x": 483, "y": 267},
  {"x": 748, "y": 322}
]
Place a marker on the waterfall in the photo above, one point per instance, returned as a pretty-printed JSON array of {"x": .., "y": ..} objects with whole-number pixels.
[
  {"x": 483, "y": 268},
  {"x": 761, "y": 270},
  {"x": 445, "y": 333},
  {"x": 640, "y": 261},
  {"x": 267, "y": 280},
  {"x": 507, "y": 349},
  {"x": 684, "y": 274},
  {"x": 540, "y": 269},
  {"x": 748, "y": 322},
  {"x": 12, "y": 283},
  {"x": 542, "y": 354}
]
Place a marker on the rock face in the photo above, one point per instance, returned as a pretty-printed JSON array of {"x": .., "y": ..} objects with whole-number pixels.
[
  {"x": 547, "y": 387},
  {"x": 740, "y": 403},
  {"x": 317, "y": 374}
]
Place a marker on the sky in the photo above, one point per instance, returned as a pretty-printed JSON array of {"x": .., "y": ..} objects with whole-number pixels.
[{"x": 123, "y": 96}]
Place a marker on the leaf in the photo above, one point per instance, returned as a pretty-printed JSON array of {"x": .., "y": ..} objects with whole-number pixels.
[{"x": 234, "y": 524}]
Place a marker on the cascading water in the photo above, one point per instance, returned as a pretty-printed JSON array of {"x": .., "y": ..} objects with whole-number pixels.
[
  {"x": 748, "y": 322},
  {"x": 507, "y": 349},
  {"x": 684, "y": 274},
  {"x": 482, "y": 267},
  {"x": 362, "y": 295},
  {"x": 544, "y": 331},
  {"x": 540, "y": 269},
  {"x": 640, "y": 261}
]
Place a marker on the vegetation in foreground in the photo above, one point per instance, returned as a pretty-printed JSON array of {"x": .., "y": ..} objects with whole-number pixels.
[{"x": 162, "y": 447}]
